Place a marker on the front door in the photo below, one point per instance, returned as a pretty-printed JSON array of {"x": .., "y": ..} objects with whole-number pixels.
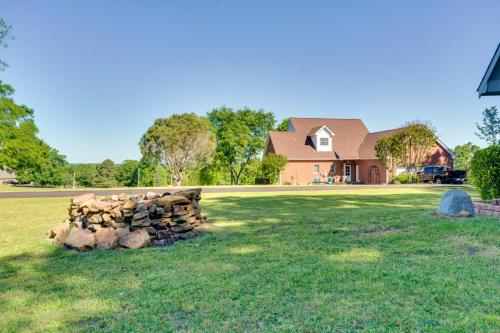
[{"x": 348, "y": 172}]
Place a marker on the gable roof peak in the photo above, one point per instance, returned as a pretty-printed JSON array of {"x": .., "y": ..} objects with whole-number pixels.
[{"x": 316, "y": 129}]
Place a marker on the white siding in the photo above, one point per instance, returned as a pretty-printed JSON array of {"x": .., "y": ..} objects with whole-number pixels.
[{"x": 322, "y": 134}]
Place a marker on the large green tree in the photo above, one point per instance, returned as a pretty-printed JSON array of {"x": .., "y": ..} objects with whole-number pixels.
[
  {"x": 489, "y": 130},
  {"x": 241, "y": 136},
  {"x": 464, "y": 154},
  {"x": 85, "y": 174},
  {"x": 106, "y": 174},
  {"x": 127, "y": 172},
  {"x": 179, "y": 143}
]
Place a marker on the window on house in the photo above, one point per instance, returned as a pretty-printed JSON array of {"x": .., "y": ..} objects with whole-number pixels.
[
  {"x": 316, "y": 168},
  {"x": 333, "y": 169},
  {"x": 323, "y": 141}
]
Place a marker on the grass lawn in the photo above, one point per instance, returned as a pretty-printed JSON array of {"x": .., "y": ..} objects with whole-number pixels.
[{"x": 371, "y": 260}]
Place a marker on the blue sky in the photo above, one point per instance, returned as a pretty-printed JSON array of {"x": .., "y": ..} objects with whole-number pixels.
[{"x": 98, "y": 73}]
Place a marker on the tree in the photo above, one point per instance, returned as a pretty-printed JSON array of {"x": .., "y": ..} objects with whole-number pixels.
[
  {"x": 389, "y": 152},
  {"x": 85, "y": 174},
  {"x": 126, "y": 173},
  {"x": 485, "y": 171},
  {"x": 272, "y": 165},
  {"x": 214, "y": 173},
  {"x": 283, "y": 126},
  {"x": 490, "y": 129},
  {"x": 33, "y": 160},
  {"x": 408, "y": 147},
  {"x": 179, "y": 143},
  {"x": 464, "y": 154},
  {"x": 5, "y": 36},
  {"x": 241, "y": 136},
  {"x": 13, "y": 116},
  {"x": 152, "y": 174},
  {"x": 416, "y": 139},
  {"x": 106, "y": 174},
  {"x": 54, "y": 169}
]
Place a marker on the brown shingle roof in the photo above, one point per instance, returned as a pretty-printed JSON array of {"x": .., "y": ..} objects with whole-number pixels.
[
  {"x": 367, "y": 147},
  {"x": 296, "y": 145}
]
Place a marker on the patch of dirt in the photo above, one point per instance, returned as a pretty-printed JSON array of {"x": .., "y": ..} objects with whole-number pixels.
[
  {"x": 377, "y": 229},
  {"x": 471, "y": 249}
]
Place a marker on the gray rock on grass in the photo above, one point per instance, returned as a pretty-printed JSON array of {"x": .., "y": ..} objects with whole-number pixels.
[{"x": 456, "y": 203}]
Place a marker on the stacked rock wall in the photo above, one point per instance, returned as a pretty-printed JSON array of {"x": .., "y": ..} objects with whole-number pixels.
[
  {"x": 122, "y": 221},
  {"x": 489, "y": 208}
]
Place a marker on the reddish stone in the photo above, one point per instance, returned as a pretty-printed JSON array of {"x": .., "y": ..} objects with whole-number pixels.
[
  {"x": 136, "y": 239},
  {"x": 106, "y": 238},
  {"x": 80, "y": 239}
]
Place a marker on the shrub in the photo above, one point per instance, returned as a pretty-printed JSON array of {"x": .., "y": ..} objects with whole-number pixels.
[
  {"x": 402, "y": 178},
  {"x": 485, "y": 171},
  {"x": 272, "y": 165}
]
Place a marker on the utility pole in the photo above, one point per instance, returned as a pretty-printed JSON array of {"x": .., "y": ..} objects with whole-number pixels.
[{"x": 74, "y": 179}]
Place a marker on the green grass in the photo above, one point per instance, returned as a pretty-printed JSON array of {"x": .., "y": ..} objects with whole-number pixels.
[{"x": 372, "y": 260}]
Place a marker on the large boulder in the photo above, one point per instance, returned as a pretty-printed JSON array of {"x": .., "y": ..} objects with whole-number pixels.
[
  {"x": 170, "y": 200},
  {"x": 80, "y": 239},
  {"x": 136, "y": 239},
  {"x": 456, "y": 203},
  {"x": 106, "y": 238},
  {"x": 82, "y": 198},
  {"x": 59, "y": 233}
]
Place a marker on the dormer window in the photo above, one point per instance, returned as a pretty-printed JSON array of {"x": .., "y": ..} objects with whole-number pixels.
[{"x": 322, "y": 138}]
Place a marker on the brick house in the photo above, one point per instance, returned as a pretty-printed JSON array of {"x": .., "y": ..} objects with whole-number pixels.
[{"x": 342, "y": 149}]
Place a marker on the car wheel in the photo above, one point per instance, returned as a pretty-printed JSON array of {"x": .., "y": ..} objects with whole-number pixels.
[{"x": 438, "y": 181}]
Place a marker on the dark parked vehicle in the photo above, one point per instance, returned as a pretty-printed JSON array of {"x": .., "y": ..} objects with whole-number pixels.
[
  {"x": 10, "y": 182},
  {"x": 442, "y": 175}
]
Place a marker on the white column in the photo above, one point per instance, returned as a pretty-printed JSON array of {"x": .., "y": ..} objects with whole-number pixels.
[{"x": 357, "y": 173}]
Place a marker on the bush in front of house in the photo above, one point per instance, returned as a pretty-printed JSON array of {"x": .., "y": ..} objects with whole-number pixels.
[
  {"x": 485, "y": 171},
  {"x": 402, "y": 178}
]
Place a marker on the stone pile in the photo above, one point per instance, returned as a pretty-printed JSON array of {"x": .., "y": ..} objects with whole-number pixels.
[{"x": 122, "y": 221}]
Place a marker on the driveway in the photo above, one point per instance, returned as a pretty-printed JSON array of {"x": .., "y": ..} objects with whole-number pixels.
[{"x": 214, "y": 189}]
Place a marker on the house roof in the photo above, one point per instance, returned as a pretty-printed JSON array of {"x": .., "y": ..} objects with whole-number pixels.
[
  {"x": 490, "y": 83},
  {"x": 297, "y": 145},
  {"x": 352, "y": 140},
  {"x": 367, "y": 147}
]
